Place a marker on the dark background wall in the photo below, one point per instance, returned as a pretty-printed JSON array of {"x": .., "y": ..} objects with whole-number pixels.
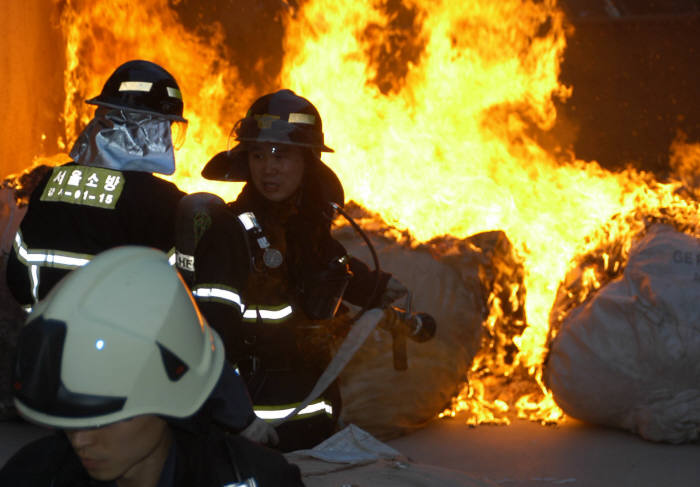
[{"x": 636, "y": 85}]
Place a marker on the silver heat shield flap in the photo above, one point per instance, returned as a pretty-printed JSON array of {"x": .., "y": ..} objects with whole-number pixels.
[{"x": 126, "y": 141}]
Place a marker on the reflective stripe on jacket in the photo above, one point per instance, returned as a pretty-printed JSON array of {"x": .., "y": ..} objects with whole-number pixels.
[
  {"x": 252, "y": 313},
  {"x": 76, "y": 212},
  {"x": 271, "y": 413}
]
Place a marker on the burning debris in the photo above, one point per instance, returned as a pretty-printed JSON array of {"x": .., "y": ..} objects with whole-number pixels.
[
  {"x": 432, "y": 130},
  {"x": 22, "y": 185},
  {"x": 474, "y": 289}
]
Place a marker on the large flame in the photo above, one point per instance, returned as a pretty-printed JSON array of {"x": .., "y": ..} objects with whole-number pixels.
[{"x": 433, "y": 107}]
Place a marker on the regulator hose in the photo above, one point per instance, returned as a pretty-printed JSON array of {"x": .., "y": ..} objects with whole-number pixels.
[{"x": 375, "y": 259}]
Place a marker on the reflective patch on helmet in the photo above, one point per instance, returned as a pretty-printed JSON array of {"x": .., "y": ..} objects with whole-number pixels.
[
  {"x": 135, "y": 86},
  {"x": 265, "y": 120},
  {"x": 174, "y": 93},
  {"x": 306, "y": 118}
]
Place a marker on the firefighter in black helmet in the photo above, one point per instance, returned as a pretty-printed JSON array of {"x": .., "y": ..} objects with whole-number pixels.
[
  {"x": 107, "y": 195},
  {"x": 267, "y": 273}
]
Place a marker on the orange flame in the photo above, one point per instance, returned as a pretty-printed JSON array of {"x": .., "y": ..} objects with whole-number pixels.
[{"x": 433, "y": 108}]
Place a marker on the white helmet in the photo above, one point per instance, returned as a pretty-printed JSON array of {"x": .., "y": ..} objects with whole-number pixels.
[{"x": 117, "y": 338}]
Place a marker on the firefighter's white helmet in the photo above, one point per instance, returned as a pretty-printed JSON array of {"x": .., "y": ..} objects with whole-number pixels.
[{"x": 117, "y": 338}]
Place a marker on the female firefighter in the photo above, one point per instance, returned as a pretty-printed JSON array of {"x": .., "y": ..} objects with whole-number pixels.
[
  {"x": 119, "y": 360},
  {"x": 268, "y": 274}
]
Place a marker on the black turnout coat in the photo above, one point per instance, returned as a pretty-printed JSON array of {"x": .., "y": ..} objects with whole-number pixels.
[
  {"x": 261, "y": 314},
  {"x": 214, "y": 459},
  {"x": 77, "y": 211}
]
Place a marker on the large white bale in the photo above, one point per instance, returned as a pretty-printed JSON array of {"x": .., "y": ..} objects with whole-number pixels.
[
  {"x": 630, "y": 356},
  {"x": 387, "y": 402}
]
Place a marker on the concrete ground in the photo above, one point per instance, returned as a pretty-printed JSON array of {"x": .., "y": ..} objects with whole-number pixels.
[
  {"x": 523, "y": 454},
  {"x": 527, "y": 454}
]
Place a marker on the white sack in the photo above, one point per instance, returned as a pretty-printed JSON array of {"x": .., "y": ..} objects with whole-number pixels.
[
  {"x": 354, "y": 457},
  {"x": 387, "y": 402},
  {"x": 630, "y": 356}
]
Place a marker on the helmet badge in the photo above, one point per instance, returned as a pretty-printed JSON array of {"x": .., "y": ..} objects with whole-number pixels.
[{"x": 265, "y": 121}]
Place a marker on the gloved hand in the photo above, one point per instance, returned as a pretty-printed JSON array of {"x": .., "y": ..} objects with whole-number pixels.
[
  {"x": 394, "y": 290},
  {"x": 260, "y": 431}
]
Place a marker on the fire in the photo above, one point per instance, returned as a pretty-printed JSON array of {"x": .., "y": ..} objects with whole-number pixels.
[
  {"x": 433, "y": 108},
  {"x": 101, "y": 35}
]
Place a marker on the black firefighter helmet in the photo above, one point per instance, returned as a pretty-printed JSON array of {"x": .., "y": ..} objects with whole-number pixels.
[
  {"x": 142, "y": 86},
  {"x": 282, "y": 117}
]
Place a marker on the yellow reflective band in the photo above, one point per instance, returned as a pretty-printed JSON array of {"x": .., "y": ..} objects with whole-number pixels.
[
  {"x": 34, "y": 279},
  {"x": 305, "y": 118},
  {"x": 270, "y": 413},
  {"x": 49, "y": 258},
  {"x": 226, "y": 296},
  {"x": 174, "y": 93},
  {"x": 269, "y": 315},
  {"x": 34, "y": 259},
  {"x": 135, "y": 86}
]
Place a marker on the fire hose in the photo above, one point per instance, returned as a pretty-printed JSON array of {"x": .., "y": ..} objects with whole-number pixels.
[{"x": 419, "y": 327}]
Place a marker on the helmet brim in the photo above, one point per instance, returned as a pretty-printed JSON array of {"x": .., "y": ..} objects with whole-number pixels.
[
  {"x": 232, "y": 165},
  {"x": 177, "y": 411},
  {"x": 101, "y": 103}
]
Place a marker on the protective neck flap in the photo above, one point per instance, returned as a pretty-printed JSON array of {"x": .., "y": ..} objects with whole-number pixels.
[{"x": 126, "y": 141}]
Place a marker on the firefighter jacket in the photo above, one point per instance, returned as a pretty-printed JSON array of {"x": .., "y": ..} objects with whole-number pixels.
[
  {"x": 258, "y": 309},
  {"x": 77, "y": 211},
  {"x": 212, "y": 459}
]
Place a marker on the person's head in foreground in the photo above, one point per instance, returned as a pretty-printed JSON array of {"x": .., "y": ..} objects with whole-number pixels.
[
  {"x": 117, "y": 346},
  {"x": 280, "y": 141},
  {"x": 114, "y": 355}
]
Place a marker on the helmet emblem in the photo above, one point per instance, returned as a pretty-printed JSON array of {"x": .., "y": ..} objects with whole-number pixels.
[{"x": 265, "y": 121}]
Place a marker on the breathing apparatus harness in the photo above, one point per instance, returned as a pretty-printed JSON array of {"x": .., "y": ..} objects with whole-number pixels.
[
  {"x": 324, "y": 290},
  {"x": 329, "y": 291}
]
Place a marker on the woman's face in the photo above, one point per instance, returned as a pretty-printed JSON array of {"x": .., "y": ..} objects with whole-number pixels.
[{"x": 276, "y": 170}]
